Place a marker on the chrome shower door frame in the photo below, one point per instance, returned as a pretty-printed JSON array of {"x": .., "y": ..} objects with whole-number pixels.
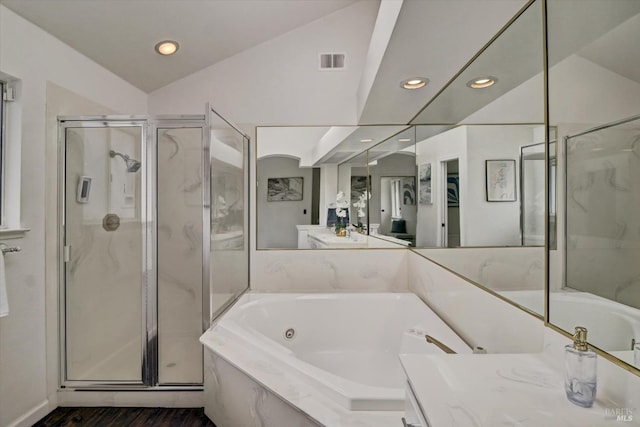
[
  {"x": 148, "y": 218},
  {"x": 179, "y": 122}
]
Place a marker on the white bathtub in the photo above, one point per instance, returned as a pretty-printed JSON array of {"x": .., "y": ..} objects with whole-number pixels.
[
  {"x": 611, "y": 325},
  {"x": 345, "y": 345}
]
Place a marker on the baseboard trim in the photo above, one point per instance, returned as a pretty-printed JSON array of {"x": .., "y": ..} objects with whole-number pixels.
[
  {"x": 151, "y": 399},
  {"x": 34, "y": 415}
]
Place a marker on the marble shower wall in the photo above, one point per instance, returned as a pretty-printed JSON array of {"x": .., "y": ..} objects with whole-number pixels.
[
  {"x": 499, "y": 269},
  {"x": 480, "y": 318},
  {"x": 603, "y": 213},
  {"x": 179, "y": 255},
  {"x": 338, "y": 270}
]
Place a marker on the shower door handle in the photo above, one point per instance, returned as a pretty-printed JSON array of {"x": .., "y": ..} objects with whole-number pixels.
[{"x": 67, "y": 253}]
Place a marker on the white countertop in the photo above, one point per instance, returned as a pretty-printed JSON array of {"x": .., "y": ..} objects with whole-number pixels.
[
  {"x": 301, "y": 227},
  {"x": 498, "y": 390},
  {"x": 356, "y": 240}
]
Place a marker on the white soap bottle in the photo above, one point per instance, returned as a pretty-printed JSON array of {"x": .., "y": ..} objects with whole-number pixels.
[{"x": 580, "y": 370}]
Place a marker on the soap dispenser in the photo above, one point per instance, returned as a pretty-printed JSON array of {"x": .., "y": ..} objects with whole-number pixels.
[{"x": 580, "y": 374}]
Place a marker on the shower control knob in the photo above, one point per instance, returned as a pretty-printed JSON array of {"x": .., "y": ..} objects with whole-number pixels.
[{"x": 111, "y": 222}]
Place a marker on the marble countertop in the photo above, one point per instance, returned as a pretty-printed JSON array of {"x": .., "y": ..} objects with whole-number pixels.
[
  {"x": 355, "y": 240},
  {"x": 329, "y": 238},
  {"x": 498, "y": 390},
  {"x": 301, "y": 227}
]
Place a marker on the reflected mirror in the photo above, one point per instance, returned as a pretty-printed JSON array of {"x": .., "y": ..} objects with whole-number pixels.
[
  {"x": 306, "y": 176},
  {"x": 480, "y": 159},
  {"x": 463, "y": 185},
  {"x": 392, "y": 207},
  {"x": 594, "y": 85}
]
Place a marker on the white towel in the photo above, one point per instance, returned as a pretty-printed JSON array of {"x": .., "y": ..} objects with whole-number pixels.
[{"x": 4, "y": 302}]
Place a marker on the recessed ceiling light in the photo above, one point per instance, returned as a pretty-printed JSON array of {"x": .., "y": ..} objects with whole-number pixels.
[
  {"x": 167, "y": 47},
  {"x": 482, "y": 82},
  {"x": 404, "y": 139},
  {"x": 366, "y": 140},
  {"x": 414, "y": 83}
]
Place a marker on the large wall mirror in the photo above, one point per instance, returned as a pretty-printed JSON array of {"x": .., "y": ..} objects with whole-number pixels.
[
  {"x": 314, "y": 181},
  {"x": 481, "y": 150},
  {"x": 463, "y": 184},
  {"x": 594, "y": 103}
]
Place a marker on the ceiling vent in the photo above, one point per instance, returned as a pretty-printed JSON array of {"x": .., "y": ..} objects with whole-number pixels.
[{"x": 332, "y": 61}]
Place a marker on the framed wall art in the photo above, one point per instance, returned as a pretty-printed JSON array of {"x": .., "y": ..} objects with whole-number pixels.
[
  {"x": 284, "y": 189},
  {"x": 424, "y": 175},
  {"x": 501, "y": 180}
]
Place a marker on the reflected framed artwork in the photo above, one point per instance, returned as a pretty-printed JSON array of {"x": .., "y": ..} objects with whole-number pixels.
[
  {"x": 358, "y": 187},
  {"x": 501, "y": 180},
  {"x": 284, "y": 189},
  {"x": 453, "y": 190},
  {"x": 409, "y": 190},
  {"x": 424, "y": 173}
]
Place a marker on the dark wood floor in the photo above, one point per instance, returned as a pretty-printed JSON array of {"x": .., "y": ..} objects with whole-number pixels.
[{"x": 126, "y": 417}]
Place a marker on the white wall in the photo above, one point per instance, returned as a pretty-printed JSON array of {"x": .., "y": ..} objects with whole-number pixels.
[
  {"x": 482, "y": 223},
  {"x": 36, "y": 58},
  {"x": 278, "y": 219},
  {"x": 486, "y": 223},
  {"x": 268, "y": 84},
  {"x": 445, "y": 146}
]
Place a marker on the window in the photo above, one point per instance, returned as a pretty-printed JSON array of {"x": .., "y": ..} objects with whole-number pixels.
[
  {"x": 10, "y": 139},
  {"x": 396, "y": 198},
  {"x": 3, "y": 88}
]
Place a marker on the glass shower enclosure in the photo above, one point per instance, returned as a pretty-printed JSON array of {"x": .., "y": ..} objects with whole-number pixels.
[{"x": 153, "y": 245}]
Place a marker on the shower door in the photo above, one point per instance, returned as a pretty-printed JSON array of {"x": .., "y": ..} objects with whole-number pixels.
[
  {"x": 107, "y": 256},
  {"x": 153, "y": 244},
  {"x": 180, "y": 206},
  {"x": 227, "y": 226}
]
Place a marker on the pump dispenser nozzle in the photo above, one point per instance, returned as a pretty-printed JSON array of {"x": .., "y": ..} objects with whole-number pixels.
[{"x": 580, "y": 339}]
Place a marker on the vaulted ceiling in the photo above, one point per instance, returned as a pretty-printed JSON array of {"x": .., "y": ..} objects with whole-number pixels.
[{"x": 120, "y": 35}]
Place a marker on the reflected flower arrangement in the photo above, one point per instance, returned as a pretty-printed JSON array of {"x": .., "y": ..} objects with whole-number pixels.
[
  {"x": 341, "y": 212},
  {"x": 361, "y": 205}
]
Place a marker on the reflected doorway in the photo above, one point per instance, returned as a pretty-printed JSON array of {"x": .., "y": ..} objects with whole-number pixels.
[{"x": 451, "y": 204}]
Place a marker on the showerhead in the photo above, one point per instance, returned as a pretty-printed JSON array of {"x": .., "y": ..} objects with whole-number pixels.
[{"x": 132, "y": 164}]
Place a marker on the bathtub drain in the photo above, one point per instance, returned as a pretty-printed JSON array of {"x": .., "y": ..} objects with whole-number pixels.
[{"x": 289, "y": 333}]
